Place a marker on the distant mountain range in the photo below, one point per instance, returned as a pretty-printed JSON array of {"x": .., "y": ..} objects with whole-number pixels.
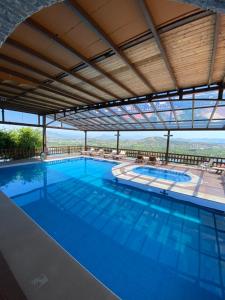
[{"x": 70, "y": 135}]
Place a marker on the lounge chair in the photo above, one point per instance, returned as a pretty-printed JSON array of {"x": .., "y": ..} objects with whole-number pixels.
[
  {"x": 85, "y": 152},
  {"x": 93, "y": 152},
  {"x": 207, "y": 165},
  {"x": 219, "y": 170},
  {"x": 110, "y": 155},
  {"x": 100, "y": 152},
  {"x": 140, "y": 159},
  {"x": 121, "y": 155},
  {"x": 152, "y": 160}
]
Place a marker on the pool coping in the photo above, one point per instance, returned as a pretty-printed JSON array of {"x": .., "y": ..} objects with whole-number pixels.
[
  {"x": 49, "y": 265},
  {"x": 129, "y": 172}
]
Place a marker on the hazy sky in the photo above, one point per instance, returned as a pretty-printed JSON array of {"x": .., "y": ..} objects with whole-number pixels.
[{"x": 139, "y": 134}]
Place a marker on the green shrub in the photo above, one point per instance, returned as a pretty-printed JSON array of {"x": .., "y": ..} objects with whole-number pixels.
[{"x": 19, "y": 143}]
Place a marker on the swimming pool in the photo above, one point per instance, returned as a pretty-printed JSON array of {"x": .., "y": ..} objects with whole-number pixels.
[
  {"x": 140, "y": 244},
  {"x": 159, "y": 173}
]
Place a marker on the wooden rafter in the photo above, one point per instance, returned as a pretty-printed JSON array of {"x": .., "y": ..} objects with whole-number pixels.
[
  {"x": 45, "y": 97},
  {"x": 45, "y": 86},
  {"x": 149, "y": 20},
  {"x": 77, "y": 54},
  {"x": 90, "y": 22},
  {"x": 214, "y": 47},
  {"x": 44, "y": 74},
  {"x": 14, "y": 98},
  {"x": 58, "y": 66}
]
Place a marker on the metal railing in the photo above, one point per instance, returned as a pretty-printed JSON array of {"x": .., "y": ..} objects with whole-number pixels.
[
  {"x": 172, "y": 157},
  {"x": 20, "y": 153}
]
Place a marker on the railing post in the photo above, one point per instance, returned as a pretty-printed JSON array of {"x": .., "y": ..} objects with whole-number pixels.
[
  {"x": 44, "y": 134},
  {"x": 117, "y": 141},
  {"x": 3, "y": 115},
  {"x": 85, "y": 140},
  {"x": 168, "y": 135}
]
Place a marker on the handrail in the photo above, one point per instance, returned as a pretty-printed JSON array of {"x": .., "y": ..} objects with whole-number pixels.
[{"x": 190, "y": 159}]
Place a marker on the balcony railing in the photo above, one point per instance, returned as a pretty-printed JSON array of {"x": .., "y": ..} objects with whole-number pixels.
[{"x": 8, "y": 154}]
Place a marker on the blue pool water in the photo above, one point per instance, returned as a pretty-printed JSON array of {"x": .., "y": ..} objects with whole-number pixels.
[
  {"x": 140, "y": 244},
  {"x": 163, "y": 174}
]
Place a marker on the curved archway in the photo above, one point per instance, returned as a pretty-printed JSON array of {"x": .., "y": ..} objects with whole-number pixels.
[{"x": 12, "y": 13}]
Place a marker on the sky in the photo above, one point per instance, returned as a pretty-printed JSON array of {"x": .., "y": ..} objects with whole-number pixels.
[{"x": 22, "y": 117}]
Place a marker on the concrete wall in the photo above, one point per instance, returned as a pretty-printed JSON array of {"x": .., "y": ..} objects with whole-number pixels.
[{"x": 13, "y": 12}]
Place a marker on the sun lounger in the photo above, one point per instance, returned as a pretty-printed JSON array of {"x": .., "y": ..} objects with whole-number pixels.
[
  {"x": 100, "y": 152},
  {"x": 85, "y": 152},
  {"x": 152, "y": 160},
  {"x": 93, "y": 152},
  {"x": 219, "y": 170},
  {"x": 88, "y": 152},
  {"x": 140, "y": 159},
  {"x": 121, "y": 155},
  {"x": 207, "y": 165},
  {"x": 110, "y": 155}
]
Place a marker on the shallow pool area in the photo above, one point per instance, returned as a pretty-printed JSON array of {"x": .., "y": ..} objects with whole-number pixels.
[
  {"x": 160, "y": 173},
  {"x": 141, "y": 245}
]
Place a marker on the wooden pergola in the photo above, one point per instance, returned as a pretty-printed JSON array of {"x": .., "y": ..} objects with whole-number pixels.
[{"x": 117, "y": 65}]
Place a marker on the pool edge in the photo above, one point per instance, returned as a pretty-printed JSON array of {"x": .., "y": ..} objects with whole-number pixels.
[{"x": 42, "y": 268}]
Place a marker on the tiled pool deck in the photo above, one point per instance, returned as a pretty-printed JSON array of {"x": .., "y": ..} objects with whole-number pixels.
[{"x": 206, "y": 185}]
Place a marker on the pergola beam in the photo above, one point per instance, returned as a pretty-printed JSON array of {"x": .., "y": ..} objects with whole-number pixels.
[
  {"x": 46, "y": 98},
  {"x": 214, "y": 47},
  {"x": 45, "y": 86},
  {"x": 16, "y": 97},
  {"x": 51, "y": 78},
  {"x": 150, "y": 22},
  {"x": 67, "y": 72},
  {"x": 77, "y": 54},
  {"x": 90, "y": 23}
]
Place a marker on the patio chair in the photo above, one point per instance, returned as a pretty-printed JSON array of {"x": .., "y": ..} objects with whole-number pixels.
[
  {"x": 121, "y": 155},
  {"x": 110, "y": 155},
  {"x": 207, "y": 165},
  {"x": 152, "y": 160},
  {"x": 100, "y": 152},
  {"x": 140, "y": 159},
  {"x": 219, "y": 170},
  {"x": 93, "y": 152},
  {"x": 85, "y": 152}
]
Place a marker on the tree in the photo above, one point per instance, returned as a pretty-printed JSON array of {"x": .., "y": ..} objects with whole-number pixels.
[
  {"x": 27, "y": 138},
  {"x": 6, "y": 140},
  {"x": 19, "y": 143}
]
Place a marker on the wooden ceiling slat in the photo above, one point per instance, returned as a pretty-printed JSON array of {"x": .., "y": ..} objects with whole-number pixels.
[
  {"x": 149, "y": 19},
  {"x": 214, "y": 47},
  {"x": 58, "y": 66},
  {"x": 90, "y": 22},
  {"x": 45, "y": 85},
  {"x": 40, "y": 72},
  {"x": 44, "y": 31},
  {"x": 31, "y": 99},
  {"x": 34, "y": 92}
]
